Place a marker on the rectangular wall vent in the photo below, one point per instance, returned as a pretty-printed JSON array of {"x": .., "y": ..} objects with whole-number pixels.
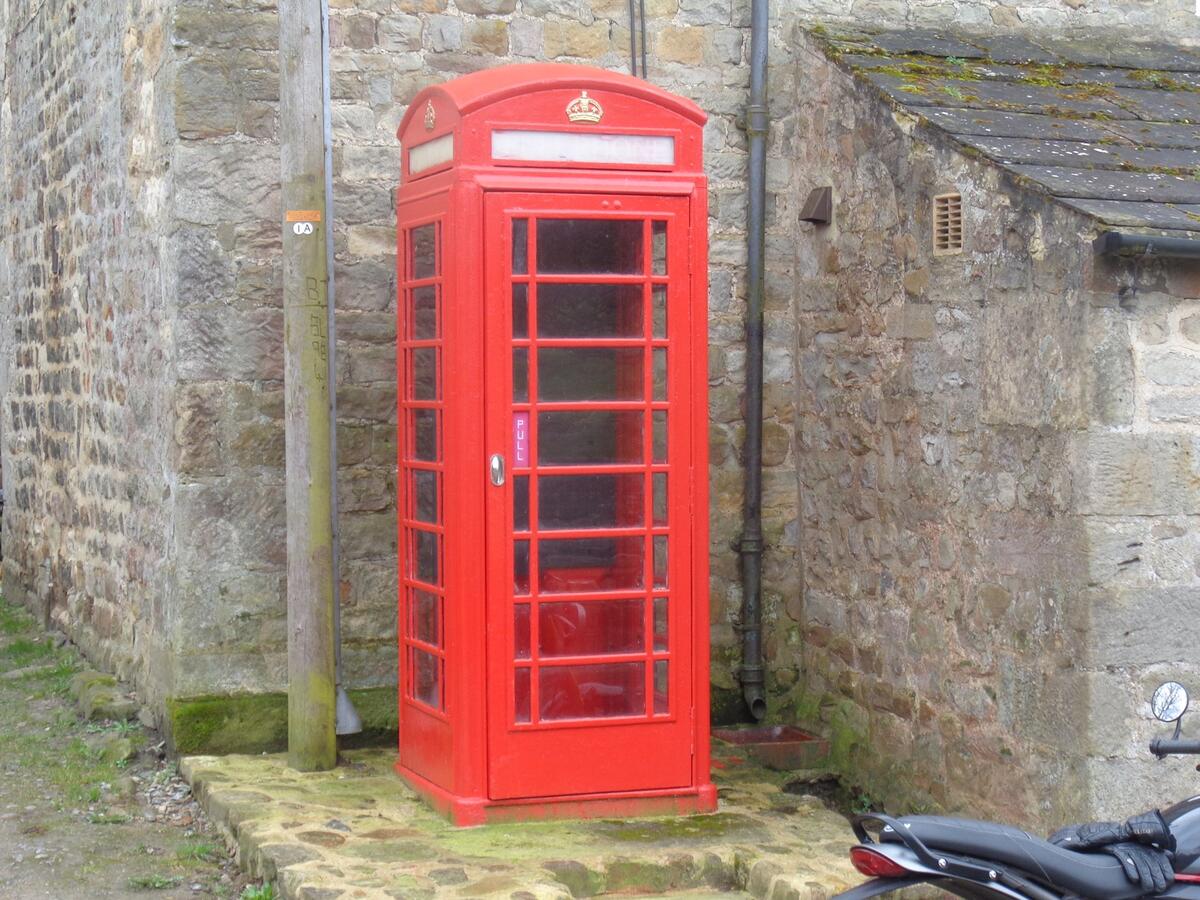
[{"x": 947, "y": 224}]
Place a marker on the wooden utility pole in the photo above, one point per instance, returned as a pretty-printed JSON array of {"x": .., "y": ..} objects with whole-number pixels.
[{"x": 312, "y": 745}]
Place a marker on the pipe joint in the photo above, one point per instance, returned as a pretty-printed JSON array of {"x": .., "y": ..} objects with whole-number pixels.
[
  {"x": 753, "y": 693},
  {"x": 751, "y": 546},
  {"x": 757, "y": 119}
]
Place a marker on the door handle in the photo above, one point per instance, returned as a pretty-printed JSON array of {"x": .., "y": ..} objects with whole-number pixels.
[{"x": 496, "y": 469}]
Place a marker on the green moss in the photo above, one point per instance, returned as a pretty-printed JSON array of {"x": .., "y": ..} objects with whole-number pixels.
[
  {"x": 257, "y": 723},
  {"x": 670, "y": 829},
  {"x": 1160, "y": 80}
]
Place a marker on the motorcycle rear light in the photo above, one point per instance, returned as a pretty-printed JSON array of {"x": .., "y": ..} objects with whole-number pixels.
[{"x": 876, "y": 865}]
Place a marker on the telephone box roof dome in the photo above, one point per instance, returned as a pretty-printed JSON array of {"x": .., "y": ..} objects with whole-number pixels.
[{"x": 479, "y": 89}]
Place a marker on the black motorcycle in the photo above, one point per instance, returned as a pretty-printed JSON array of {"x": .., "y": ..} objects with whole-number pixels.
[{"x": 1156, "y": 854}]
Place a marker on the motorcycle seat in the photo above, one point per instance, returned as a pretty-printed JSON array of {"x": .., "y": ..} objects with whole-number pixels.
[{"x": 1093, "y": 875}]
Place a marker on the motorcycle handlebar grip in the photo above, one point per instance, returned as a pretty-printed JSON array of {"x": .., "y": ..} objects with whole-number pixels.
[{"x": 1164, "y": 746}]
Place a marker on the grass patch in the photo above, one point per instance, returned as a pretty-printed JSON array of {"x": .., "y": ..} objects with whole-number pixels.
[
  {"x": 259, "y": 892},
  {"x": 109, "y": 819},
  {"x": 154, "y": 882},
  {"x": 197, "y": 851},
  {"x": 22, "y": 652}
]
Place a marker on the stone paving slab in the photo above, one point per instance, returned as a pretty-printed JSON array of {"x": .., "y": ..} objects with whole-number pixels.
[{"x": 359, "y": 832}]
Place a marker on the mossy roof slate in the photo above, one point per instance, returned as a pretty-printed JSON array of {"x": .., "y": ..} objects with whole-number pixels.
[{"x": 1109, "y": 126}]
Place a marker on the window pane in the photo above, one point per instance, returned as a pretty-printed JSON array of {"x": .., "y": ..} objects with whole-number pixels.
[
  {"x": 567, "y": 374},
  {"x": 589, "y": 245},
  {"x": 426, "y": 553},
  {"x": 520, "y": 311},
  {"x": 521, "y": 568},
  {"x": 521, "y": 375},
  {"x": 424, "y": 434},
  {"x": 662, "y": 698},
  {"x": 589, "y": 310},
  {"x": 425, "y": 614},
  {"x": 424, "y": 373},
  {"x": 660, "y": 498},
  {"x": 587, "y": 629},
  {"x": 589, "y": 438},
  {"x": 521, "y": 503},
  {"x": 590, "y": 501},
  {"x": 521, "y": 690},
  {"x": 659, "y": 299},
  {"x": 660, "y": 373},
  {"x": 660, "y": 561},
  {"x": 658, "y": 247},
  {"x": 424, "y": 313},
  {"x": 592, "y": 691},
  {"x": 424, "y": 251},
  {"x": 426, "y": 678},
  {"x": 591, "y": 564},
  {"x": 660, "y": 625},
  {"x": 425, "y": 496},
  {"x": 521, "y": 631},
  {"x": 660, "y": 436},
  {"x": 520, "y": 248}
]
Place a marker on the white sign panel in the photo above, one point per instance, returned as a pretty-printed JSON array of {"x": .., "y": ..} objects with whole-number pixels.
[{"x": 584, "y": 147}]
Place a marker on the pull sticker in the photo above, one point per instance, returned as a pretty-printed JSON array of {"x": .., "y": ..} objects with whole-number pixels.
[{"x": 520, "y": 440}]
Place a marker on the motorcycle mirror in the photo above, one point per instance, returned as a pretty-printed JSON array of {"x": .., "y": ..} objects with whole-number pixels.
[{"x": 1169, "y": 701}]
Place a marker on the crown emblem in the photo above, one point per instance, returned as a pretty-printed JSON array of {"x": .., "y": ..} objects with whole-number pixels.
[
  {"x": 584, "y": 109},
  {"x": 430, "y": 115}
]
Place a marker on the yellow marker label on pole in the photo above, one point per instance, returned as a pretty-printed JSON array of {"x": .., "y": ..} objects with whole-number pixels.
[{"x": 303, "y": 215}]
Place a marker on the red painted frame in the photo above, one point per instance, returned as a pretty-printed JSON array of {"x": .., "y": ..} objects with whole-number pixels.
[{"x": 451, "y": 754}]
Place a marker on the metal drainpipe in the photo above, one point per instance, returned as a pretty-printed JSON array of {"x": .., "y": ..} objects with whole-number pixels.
[
  {"x": 751, "y": 546},
  {"x": 347, "y": 720}
]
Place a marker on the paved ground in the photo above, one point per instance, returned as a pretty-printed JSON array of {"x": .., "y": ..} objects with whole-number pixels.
[
  {"x": 359, "y": 833},
  {"x": 87, "y": 808}
]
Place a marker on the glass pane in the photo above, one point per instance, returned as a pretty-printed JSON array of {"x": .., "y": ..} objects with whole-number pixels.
[
  {"x": 424, "y": 373},
  {"x": 520, "y": 375},
  {"x": 660, "y": 625},
  {"x": 521, "y": 690},
  {"x": 567, "y": 374},
  {"x": 424, "y": 313},
  {"x": 660, "y": 498},
  {"x": 659, "y": 300},
  {"x": 521, "y": 568},
  {"x": 426, "y": 678},
  {"x": 589, "y": 245},
  {"x": 426, "y": 553},
  {"x": 593, "y": 691},
  {"x": 521, "y": 631},
  {"x": 424, "y": 434},
  {"x": 590, "y": 501},
  {"x": 424, "y": 251},
  {"x": 662, "y": 705},
  {"x": 588, "y": 629},
  {"x": 520, "y": 249},
  {"x": 597, "y": 437},
  {"x": 660, "y": 372},
  {"x": 425, "y": 615},
  {"x": 660, "y": 435},
  {"x": 591, "y": 564},
  {"x": 520, "y": 311},
  {"x": 425, "y": 496},
  {"x": 521, "y": 503},
  {"x": 589, "y": 310},
  {"x": 660, "y": 561},
  {"x": 658, "y": 247}
]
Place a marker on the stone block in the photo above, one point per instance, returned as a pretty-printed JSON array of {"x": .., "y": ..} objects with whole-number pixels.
[
  {"x": 525, "y": 38},
  {"x": 443, "y": 33},
  {"x": 205, "y": 99},
  {"x": 400, "y": 33},
  {"x": 1180, "y": 408},
  {"x": 911, "y": 322},
  {"x": 226, "y": 29},
  {"x": 353, "y": 31},
  {"x": 221, "y": 183},
  {"x": 1144, "y": 626},
  {"x": 684, "y": 45},
  {"x": 705, "y": 12},
  {"x": 1171, "y": 368},
  {"x": 488, "y": 36},
  {"x": 486, "y": 7},
  {"x": 564, "y": 38},
  {"x": 1137, "y": 474}
]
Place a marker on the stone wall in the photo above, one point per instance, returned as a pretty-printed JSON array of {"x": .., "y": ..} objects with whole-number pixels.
[
  {"x": 996, "y": 463},
  {"x": 85, "y": 195}
]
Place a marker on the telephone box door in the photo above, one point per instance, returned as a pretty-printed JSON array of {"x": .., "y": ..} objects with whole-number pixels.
[{"x": 588, "y": 435}]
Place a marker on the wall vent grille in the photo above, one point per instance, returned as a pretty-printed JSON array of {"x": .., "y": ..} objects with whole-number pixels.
[{"x": 947, "y": 224}]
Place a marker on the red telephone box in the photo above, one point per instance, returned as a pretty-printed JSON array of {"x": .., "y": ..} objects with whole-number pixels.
[{"x": 553, "y": 470}]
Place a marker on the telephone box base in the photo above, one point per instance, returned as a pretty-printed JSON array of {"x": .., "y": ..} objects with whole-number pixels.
[{"x": 468, "y": 811}]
